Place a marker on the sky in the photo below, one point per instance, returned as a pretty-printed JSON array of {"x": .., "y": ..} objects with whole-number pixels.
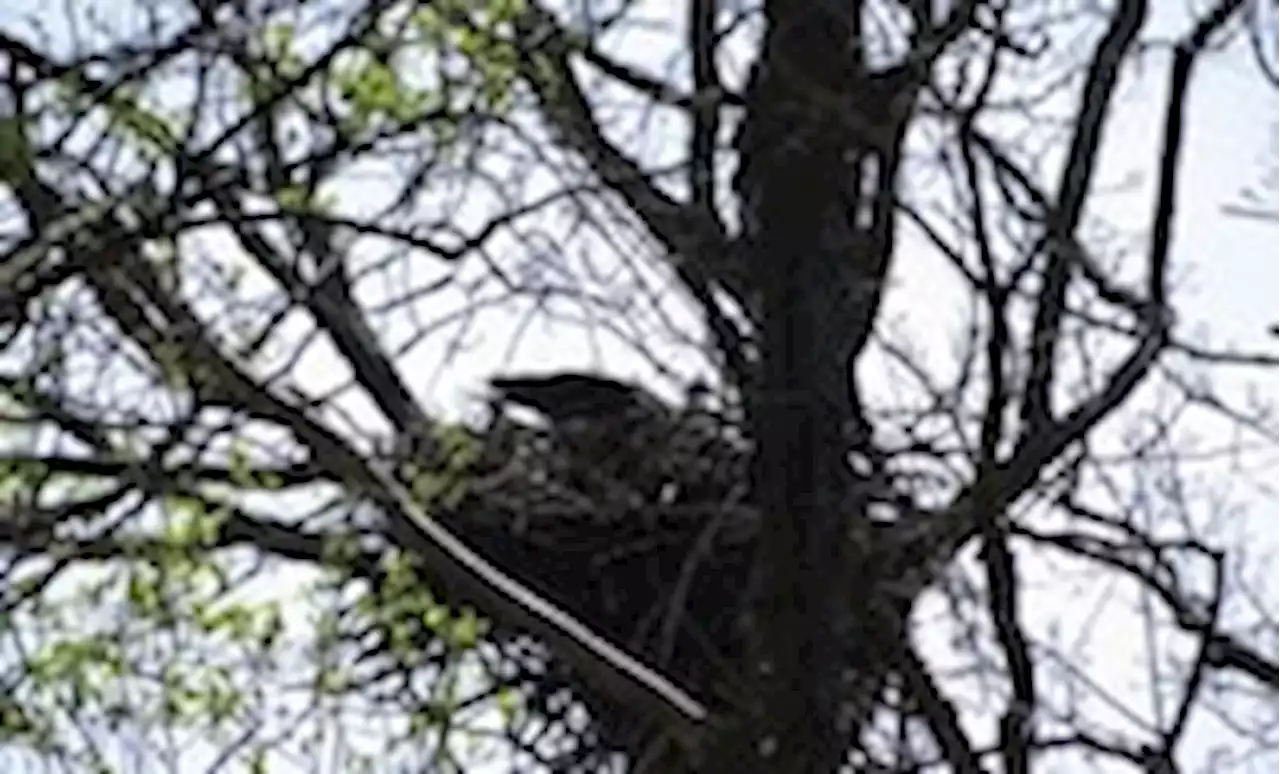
[{"x": 1228, "y": 286}]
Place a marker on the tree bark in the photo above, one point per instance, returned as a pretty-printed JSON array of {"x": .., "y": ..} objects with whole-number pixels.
[{"x": 819, "y": 162}]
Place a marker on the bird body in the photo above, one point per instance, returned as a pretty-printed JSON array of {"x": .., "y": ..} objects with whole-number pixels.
[
  {"x": 614, "y": 432},
  {"x": 569, "y": 396},
  {"x": 621, "y": 438}
]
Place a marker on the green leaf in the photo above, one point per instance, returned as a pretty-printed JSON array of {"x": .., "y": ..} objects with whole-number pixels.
[
  {"x": 467, "y": 630},
  {"x": 17, "y": 161}
]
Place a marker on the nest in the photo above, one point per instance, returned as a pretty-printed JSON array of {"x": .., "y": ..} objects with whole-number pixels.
[{"x": 641, "y": 530}]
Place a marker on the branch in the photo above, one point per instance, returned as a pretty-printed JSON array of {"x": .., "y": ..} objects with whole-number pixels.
[
  {"x": 1073, "y": 189},
  {"x": 293, "y": 475},
  {"x": 941, "y": 714},
  {"x": 336, "y": 314},
  {"x": 702, "y": 139}
]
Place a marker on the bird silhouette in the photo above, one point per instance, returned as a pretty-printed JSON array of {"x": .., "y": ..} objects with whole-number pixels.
[
  {"x": 614, "y": 431},
  {"x": 565, "y": 397}
]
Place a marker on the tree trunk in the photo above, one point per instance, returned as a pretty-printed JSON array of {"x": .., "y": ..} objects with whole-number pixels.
[{"x": 816, "y": 186}]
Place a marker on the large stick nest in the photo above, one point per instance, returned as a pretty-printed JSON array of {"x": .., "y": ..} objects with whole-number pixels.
[
  {"x": 635, "y": 523},
  {"x": 639, "y": 525}
]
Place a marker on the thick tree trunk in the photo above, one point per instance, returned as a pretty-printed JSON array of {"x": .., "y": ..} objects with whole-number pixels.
[{"x": 816, "y": 187}]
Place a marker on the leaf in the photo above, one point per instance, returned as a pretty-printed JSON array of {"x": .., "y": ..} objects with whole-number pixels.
[{"x": 17, "y": 161}]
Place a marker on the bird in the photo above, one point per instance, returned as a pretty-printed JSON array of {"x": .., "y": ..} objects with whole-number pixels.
[
  {"x": 612, "y": 430},
  {"x": 568, "y": 397}
]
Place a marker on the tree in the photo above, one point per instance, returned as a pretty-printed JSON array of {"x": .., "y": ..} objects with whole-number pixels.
[{"x": 192, "y": 231}]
